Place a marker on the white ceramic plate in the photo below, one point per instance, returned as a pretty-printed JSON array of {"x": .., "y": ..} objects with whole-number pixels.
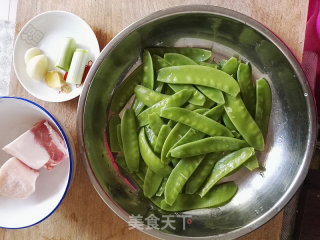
[
  {"x": 45, "y": 31},
  {"x": 17, "y": 116}
]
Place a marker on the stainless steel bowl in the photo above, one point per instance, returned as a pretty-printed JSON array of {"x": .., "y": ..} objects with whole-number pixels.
[{"x": 292, "y": 130}]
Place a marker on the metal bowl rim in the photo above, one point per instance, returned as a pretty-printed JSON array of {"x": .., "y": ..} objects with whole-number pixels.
[{"x": 219, "y": 11}]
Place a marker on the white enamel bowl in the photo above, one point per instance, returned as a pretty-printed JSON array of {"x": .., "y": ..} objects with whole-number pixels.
[{"x": 17, "y": 116}]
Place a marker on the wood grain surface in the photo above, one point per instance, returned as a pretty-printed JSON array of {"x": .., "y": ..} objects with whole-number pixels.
[{"x": 82, "y": 214}]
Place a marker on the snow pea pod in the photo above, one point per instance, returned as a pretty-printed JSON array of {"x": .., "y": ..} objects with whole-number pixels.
[
  {"x": 147, "y": 96},
  {"x": 148, "y": 75},
  {"x": 138, "y": 106},
  {"x": 248, "y": 93},
  {"x": 160, "y": 191},
  {"x": 130, "y": 140},
  {"x": 155, "y": 123},
  {"x": 192, "y": 134},
  {"x": 196, "y": 121},
  {"x": 231, "y": 66},
  {"x": 225, "y": 166},
  {"x": 208, "y": 145},
  {"x": 213, "y": 65},
  {"x": 175, "y": 134},
  {"x": 125, "y": 90},
  {"x": 263, "y": 107},
  {"x": 196, "y": 54},
  {"x": 244, "y": 123},
  {"x": 215, "y": 113},
  {"x": 212, "y": 93},
  {"x": 163, "y": 134},
  {"x": 175, "y": 100},
  {"x": 152, "y": 138},
  {"x": 152, "y": 182},
  {"x": 226, "y": 120},
  {"x": 147, "y": 79},
  {"x": 219, "y": 195},
  {"x": 252, "y": 163},
  {"x": 199, "y": 75},
  {"x": 113, "y": 137},
  {"x": 176, "y": 59},
  {"x": 179, "y": 176},
  {"x": 197, "y": 97},
  {"x": 201, "y": 173},
  {"x": 150, "y": 158},
  {"x": 159, "y": 62}
]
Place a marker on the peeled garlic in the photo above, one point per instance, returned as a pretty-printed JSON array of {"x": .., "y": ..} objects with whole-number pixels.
[
  {"x": 37, "y": 67},
  {"x": 30, "y": 53}
]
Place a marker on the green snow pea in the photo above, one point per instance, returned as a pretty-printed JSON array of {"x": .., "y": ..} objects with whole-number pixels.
[
  {"x": 196, "y": 54},
  {"x": 155, "y": 123},
  {"x": 175, "y": 100},
  {"x": 175, "y": 134},
  {"x": 197, "y": 97},
  {"x": 209, "y": 103},
  {"x": 225, "y": 166},
  {"x": 219, "y": 195},
  {"x": 212, "y": 93},
  {"x": 130, "y": 140},
  {"x": 231, "y": 66},
  {"x": 160, "y": 191},
  {"x": 152, "y": 182},
  {"x": 192, "y": 134},
  {"x": 158, "y": 87},
  {"x": 248, "y": 93},
  {"x": 148, "y": 75},
  {"x": 119, "y": 136},
  {"x": 179, "y": 176},
  {"x": 137, "y": 106},
  {"x": 263, "y": 107},
  {"x": 213, "y": 65},
  {"x": 199, "y": 75},
  {"x": 208, "y": 145},
  {"x": 227, "y": 122},
  {"x": 150, "y": 158},
  {"x": 252, "y": 163},
  {"x": 125, "y": 90},
  {"x": 176, "y": 59},
  {"x": 196, "y": 121},
  {"x": 147, "y": 96},
  {"x": 175, "y": 161},
  {"x": 159, "y": 62},
  {"x": 201, "y": 173},
  {"x": 147, "y": 79},
  {"x": 152, "y": 138},
  {"x": 113, "y": 135},
  {"x": 162, "y": 136},
  {"x": 215, "y": 113},
  {"x": 244, "y": 123}
]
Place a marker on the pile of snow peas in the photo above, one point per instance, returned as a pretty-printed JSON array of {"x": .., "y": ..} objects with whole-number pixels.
[{"x": 191, "y": 122}]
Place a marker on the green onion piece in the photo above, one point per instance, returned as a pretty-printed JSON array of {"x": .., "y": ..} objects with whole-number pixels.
[
  {"x": 66, "y": 50},
  {"x": 78, "y": 63}
]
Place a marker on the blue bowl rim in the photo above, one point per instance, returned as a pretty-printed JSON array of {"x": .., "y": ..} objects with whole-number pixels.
[{"x": 69, "y": 152}]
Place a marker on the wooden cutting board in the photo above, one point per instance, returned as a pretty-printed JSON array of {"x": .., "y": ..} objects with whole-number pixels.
[{"x": 82, "y": 214}]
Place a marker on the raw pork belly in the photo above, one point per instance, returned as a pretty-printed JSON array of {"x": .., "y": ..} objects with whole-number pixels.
[
  {"x": 38, "y": 147},
  {"x": 16, "y": 179}
]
